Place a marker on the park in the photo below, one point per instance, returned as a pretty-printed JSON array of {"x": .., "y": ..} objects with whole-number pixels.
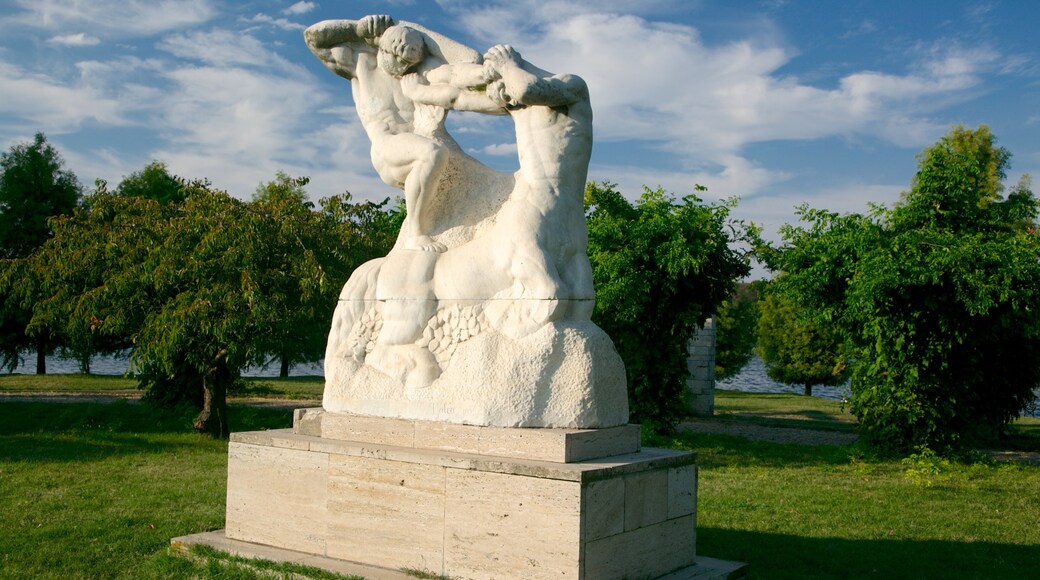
[{"x": 515, "y": 349}]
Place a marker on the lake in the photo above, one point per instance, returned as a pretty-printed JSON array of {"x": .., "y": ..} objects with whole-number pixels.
[{"x": 752, "y": 378}]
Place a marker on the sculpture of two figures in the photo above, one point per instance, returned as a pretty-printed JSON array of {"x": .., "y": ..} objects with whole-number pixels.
[{"x": 481, "y": 312}]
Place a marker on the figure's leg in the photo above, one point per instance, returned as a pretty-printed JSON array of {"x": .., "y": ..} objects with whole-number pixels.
[{"x": 422, "y": 181}]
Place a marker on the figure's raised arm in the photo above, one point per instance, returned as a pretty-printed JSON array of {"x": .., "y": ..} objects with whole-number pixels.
[
  {"x": 337, "y": 42},
  {"x": 457, "y": 87},
  {"x": 514, "y": 82}
]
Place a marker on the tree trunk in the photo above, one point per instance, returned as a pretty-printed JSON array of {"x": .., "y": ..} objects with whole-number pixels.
[
  {"x": 41, "y": 356},
  {"x": 283, "y": 372},
  {"x": 808, "y": 389},
  {"x": 212, "y": 420}
]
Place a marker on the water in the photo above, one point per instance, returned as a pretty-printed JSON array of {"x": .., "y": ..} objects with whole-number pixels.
[{"x": 753, "y": 379}]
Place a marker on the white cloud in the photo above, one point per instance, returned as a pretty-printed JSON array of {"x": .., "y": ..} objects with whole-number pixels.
[
  {"x": 500, "y": 149},
  {"x": 660, "y": 83},
  {"x": 283, "y": 23},
  {"x": 80, "y": 39},
  {"x": 737, "y": 178},
  {"x": 55, "y": 105},
  {"x": 124, "y": 18},
  {"x": 227, "y": 48},
  {"x": 300, "y": 8}
]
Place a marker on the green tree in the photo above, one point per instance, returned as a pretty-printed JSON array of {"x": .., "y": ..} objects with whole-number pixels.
[
  {"x": 795, "y": 351},
  {"x": 938, "y": 297},
  {"x": 200, "y": 288},
  {"x": 736, "y": 323},
  {"x": 34, "y": 185},
  {"x": 154, "y": 181},
  {"x": 317, "y": 251},
  {"x": 661, "y": 267},
  {"x": 284, "y": 186}
]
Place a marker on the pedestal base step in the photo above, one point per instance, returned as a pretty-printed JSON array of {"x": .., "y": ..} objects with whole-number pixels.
[{"x": 703, "y": 568}]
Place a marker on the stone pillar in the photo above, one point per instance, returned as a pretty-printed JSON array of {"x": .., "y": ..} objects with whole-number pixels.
[{"x": 701, "y": 363}]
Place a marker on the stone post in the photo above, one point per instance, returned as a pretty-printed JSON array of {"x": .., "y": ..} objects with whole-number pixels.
[{"x": 701, "y": 363}]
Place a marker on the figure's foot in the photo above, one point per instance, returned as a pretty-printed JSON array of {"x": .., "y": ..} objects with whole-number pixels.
[{"x": 426, "y": 244}]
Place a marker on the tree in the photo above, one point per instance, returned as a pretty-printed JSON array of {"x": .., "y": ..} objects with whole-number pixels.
[
  {"x": 736, "y": 323},
  {"x": 323, "y": 247},
  {"x": 284, "y": 186},
  {"x": 661, "y": 267},
  {"x": 796, "y": 351},
  {"x": 200, "y": 288},
  {"x": 938, "y": 297},
  {"x": 34, "y": 185},
  {"x": 154, "y": 181}
]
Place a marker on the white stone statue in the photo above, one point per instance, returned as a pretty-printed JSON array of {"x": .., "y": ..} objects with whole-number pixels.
[{"x": 481, "y": 312}]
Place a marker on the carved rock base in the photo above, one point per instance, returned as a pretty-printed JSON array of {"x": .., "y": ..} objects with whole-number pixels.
[{"x": 565, "y": 375}]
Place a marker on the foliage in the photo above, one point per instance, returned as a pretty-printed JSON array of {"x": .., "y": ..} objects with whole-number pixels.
[
  {"x": 200, "y": 287},
  {"x": 661, "y": 267},
  {"x": 284, "y": 186},
  {"x": 319, "y": 249},
  {"x": 795, "y": 351},
  {"x": 34, "y": 185},
  {"x": 736, "y": 324},
  {"x": 154, "y": 182},
  {"x": 938, "y": 297}
]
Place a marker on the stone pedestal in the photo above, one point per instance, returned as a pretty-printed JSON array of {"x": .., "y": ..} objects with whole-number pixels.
[
  {"x": 701, "y": 365},
  {"x": 465, "y": 501}
]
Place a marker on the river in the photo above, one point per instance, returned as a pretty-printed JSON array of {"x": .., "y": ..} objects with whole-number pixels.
[{"x": 752, "y": 378}]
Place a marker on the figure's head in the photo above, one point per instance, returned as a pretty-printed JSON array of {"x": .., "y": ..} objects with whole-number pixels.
[{"x": 400, "y": 49}]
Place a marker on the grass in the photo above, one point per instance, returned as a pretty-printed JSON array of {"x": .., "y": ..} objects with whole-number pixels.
[
  {"x": 92, "y": 490},
  {"x": 293, "y": 388},
  {"x": 794, "y": 511},
  {"x": 204, "y": 561},
  {"x": 74, "y": 383},
  {"x": 783, "y": 410}
]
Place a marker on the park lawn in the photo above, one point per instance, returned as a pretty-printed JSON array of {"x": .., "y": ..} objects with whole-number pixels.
[
  {"x": 300, "y": 388},
  {"x": 91, "y": 490},
  {"x": 783, "y": 410},
  {"x": 795, "y": 511},
  {"x": 71, "y": 383},
  {"x": 98, "y": 490}
]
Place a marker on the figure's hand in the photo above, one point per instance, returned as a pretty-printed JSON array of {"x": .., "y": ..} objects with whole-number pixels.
[
  {"x": 410, "y": 85},
  {"x": 496, "y": 91},
  {"x": 502, "y": 54},
  {"x": 373, "y": 26}
]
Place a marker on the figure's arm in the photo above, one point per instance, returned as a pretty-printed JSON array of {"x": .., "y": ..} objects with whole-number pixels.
[
  {"x": 516, "y": 83},
  {"x": 451, "y": 87},
  {"x": 337, "y": 42}
]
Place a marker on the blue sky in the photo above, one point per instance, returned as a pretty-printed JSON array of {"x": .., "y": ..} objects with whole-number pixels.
[{"x": 776, "y": 102}]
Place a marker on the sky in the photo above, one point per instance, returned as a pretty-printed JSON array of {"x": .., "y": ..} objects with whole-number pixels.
[{"x": 776, "y": 102}]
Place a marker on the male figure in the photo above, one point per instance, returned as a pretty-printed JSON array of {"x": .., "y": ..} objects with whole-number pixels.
[
  {"x": 408, "y": 142},
  {"x": 544, "y": 244}
]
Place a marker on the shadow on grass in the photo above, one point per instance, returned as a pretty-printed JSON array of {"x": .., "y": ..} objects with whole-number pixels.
[
  {"x": 78, "y": 431},
  {"x": 801, "y": 419},
  {"x": 784, "y": 556},
  {"x": 716, "y": 450}
]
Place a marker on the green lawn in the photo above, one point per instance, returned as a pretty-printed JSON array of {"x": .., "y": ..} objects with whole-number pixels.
[
  {"x": 290, "y": 388},
  {"x": 795, "y": 511},
  {"x": 91, "y": 490}
]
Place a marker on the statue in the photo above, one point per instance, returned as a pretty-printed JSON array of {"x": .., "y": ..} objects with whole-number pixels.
[{"x": 481, "y": 312}]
